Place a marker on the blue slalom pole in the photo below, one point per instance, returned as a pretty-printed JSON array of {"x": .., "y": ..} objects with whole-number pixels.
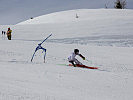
[
  {"x": 44, "y": 40},
  {"x": 33, "y": 56},
  {"x": 44, "y": 56},
  {"x": 40, "y": 47}
]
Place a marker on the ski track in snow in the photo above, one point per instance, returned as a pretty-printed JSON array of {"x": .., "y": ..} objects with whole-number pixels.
[
  {"x": 109, "y": 40},
  {"x": 27, "y": 82}
]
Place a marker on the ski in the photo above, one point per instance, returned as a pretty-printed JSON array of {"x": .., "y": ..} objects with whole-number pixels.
[
  {"x": 81, "y": 66},
  {"x": 84, "y": 66}
]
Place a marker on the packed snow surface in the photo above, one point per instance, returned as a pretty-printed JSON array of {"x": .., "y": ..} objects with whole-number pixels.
[{"x": 103, "y": 36}]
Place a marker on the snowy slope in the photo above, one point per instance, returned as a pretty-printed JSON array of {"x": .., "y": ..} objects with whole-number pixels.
[
  {"x": 19, "y": 10},
  {"x": 83, "y": 14},
  {"x": 97, "y": 26},
  {"x": 104, "y": 37}
]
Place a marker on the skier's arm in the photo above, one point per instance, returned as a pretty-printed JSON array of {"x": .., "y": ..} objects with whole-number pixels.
[{"x": 82, "y": 56}]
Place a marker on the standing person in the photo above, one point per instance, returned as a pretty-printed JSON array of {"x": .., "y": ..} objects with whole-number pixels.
[
  {"x": 73, "y": 60},
  {"x": 9, "y": 31},
  {"x": 2, "y": 33}
]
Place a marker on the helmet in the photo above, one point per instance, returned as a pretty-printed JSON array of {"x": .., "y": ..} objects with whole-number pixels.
[
  {"x": 76, "y": 50},
  {"x": 9, "y": 28}
]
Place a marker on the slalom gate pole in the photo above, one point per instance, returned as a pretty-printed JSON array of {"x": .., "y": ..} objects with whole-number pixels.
[
  {"x": 40, "y": 47},
  {"x": 45, "y": 39}
]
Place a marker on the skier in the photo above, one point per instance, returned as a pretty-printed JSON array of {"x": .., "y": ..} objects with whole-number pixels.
[
  {"x": 73, "y": 60},
  {"x": 9, "y": 31}
]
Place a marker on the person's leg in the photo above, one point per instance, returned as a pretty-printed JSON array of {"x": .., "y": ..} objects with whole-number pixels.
[
  {"x": 77, "y": 62},
  {"x": 72, "y": 63},
  {"x": 9, "y": 37}
]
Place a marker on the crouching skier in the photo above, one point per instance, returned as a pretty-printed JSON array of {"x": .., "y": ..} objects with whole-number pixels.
[{"x": 73, "y": 60}]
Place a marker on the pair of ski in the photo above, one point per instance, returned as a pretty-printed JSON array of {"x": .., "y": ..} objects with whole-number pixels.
[{"x": 84, "y": 66}]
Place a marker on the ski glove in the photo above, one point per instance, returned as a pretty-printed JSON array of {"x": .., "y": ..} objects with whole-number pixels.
[{"x": 83, "y": 58}]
